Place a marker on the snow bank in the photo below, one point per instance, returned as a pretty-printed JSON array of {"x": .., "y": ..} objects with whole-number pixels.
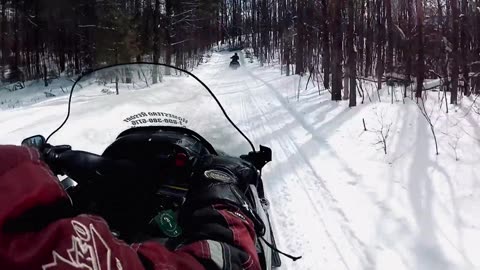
[
  {"x": 344, "y": 204},
  {"x": 34, "y": 92}
]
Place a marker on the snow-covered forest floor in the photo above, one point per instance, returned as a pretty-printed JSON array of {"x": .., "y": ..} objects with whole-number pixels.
[{"x": 337, "y": 198}]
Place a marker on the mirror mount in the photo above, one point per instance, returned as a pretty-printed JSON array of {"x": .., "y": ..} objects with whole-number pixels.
[{"x": 259, "y": 158}]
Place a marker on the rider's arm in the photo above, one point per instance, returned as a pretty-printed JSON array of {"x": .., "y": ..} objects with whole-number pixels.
[{"x": 38, "y": 231}]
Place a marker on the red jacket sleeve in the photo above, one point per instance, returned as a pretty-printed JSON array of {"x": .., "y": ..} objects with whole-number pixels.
[{"x": 35, "y": 232}]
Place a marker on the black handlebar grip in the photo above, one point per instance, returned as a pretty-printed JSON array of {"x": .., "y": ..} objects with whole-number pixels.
[{"x": 84, "y": 166}]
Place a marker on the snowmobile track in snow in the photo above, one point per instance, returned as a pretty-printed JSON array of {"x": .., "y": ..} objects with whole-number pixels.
[{"x": 320, "y": 197}]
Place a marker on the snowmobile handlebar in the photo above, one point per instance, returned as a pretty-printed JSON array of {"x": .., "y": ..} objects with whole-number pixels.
[
  {"x": 83, "y": 166},
  {"x": 86, "y": 166}
]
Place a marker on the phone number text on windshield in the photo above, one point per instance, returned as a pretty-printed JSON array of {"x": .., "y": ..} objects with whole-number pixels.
[{"x": 155, "y": 118}]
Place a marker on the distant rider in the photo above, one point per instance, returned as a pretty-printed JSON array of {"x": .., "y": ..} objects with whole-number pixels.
[{"x": 235, "y": 58}]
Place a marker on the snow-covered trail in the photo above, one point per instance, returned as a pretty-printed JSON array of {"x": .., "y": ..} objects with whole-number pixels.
[
  {"x": 336, "y": 199},
  {"x": 307, "y": 217}
]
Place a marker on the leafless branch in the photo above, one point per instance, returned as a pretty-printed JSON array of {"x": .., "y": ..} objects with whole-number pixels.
[
  {"x": 454, "y": 145},
  {"x": 383, "y": 132},
  {"x": 429, "y": 121}
]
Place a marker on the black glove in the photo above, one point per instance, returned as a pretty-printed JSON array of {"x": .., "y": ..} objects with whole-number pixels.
[
  {"x": 222, "y": 180},
  {"x": 50, "y": 155}
]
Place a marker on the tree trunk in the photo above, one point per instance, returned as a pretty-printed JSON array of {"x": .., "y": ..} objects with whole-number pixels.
[
  {"x": 454, "y": 40},
  {"x": 361, "y": 37},
  {"x": 346, "y": 81},
  {"x": 326, "y": 45},
  {"x": 299, "y": 44},
  {"x": 61, "y": 49},
  {"x": 409, "y": 47},
  {"x": 380, "y": 42},
  {"x": 45, "y": 74},
  {"x": 420, "y": 50},
  {"x": 156, "y": 40},
  {"x": 444, "y": 26},
  {"x": 3, "y": 44},
  {"x": 352, "y": 65},
  {"x": 16, "y": 40},
  {"x": 369, "y": 41},
  {"x": 337, "y": 54},
  {"x": 37, "y": 44},
  {"x": 390, "y": 45},
  {"x": 168, "y": 39},
  {"x": 464, "y": 44}
]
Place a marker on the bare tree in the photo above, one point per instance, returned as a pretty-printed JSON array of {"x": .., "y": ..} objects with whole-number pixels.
[{"x": 383, "y": 131}]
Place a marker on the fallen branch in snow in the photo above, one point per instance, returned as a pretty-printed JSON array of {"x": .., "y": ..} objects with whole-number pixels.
[
  {"x": 145, "y": 78},
  {"x": 368, "y": 95},
  {"x": 473, "y": 107},
  {"x": 384, "y": 136},
  {"x": 444, "y": 97},
  {"x": 298, "y": 88},
  {"x": 309, "y": 77},
  {"x": 48, "y": 94},
  {"x": 423, "y": 110},
  {"x": 476, "y": 109},
  {"x": 79, "y": 84},
  {"x": 360, "y": 92},
  {"x": 454, "y": 145},
  {"x": 318, "y": 81},
  {"x": 369, "y": 80}
]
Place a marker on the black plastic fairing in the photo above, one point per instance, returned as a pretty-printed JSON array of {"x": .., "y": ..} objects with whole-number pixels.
[{"x": 181, "y": 136}]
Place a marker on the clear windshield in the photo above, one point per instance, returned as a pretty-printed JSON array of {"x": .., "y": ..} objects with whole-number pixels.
[{"x": 108, "y": 101}]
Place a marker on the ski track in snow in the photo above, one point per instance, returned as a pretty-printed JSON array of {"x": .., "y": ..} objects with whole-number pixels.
[
  {"x": 333, "y": 225},
  {"x": 335, "y": 199}
]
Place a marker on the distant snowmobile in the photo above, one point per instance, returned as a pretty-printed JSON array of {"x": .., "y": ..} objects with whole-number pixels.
[{"x": 234, "y": 64}]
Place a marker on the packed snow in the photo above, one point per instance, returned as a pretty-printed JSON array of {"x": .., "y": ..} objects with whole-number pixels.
[
  {"x": 33, "y": 92},
  {"x": 337, "y": 199}
]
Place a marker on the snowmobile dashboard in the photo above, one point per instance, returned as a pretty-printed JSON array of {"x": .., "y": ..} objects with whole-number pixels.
[
  {"x": 164, "y": 154},
  {"x": 181, "y": 136}
]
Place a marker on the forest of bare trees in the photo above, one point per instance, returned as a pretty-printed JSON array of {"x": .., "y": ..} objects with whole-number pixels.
[
  {"x": 47, "y": 37},
  {"x": 339, "y": 43}
]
